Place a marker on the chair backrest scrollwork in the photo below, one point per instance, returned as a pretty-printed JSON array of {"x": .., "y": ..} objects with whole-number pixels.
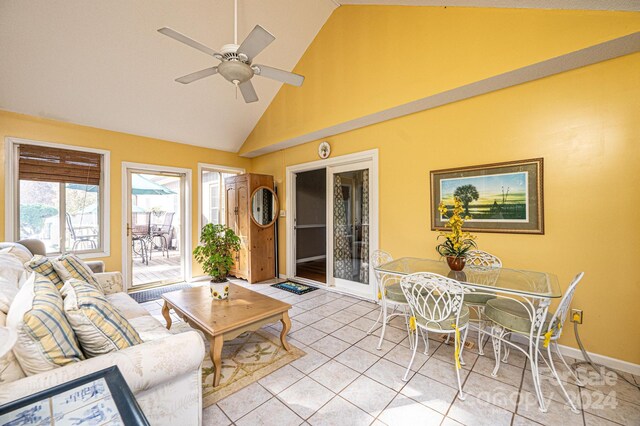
[
  {"x": 433, "y": 297},
  {"x": 560, "y": 316},
  {"x": 478, "y": 259}
]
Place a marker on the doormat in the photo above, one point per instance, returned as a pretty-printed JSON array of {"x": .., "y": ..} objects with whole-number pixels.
[
  {"x": 156, "y": 293},
  {"x": 294, "y": 288}
]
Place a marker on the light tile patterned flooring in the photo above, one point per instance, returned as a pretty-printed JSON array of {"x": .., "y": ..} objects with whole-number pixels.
[{"x": 344, "y": 380}]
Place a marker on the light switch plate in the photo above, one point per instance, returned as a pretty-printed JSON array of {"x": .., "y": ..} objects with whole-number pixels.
[{"x": 283, "y": 213}]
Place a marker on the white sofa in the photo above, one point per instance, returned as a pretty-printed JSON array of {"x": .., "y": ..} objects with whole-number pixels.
[{"x": 164, "y": 372}]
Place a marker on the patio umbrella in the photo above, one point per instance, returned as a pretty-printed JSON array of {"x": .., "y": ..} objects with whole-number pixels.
[{"x": 139, "y": 186}]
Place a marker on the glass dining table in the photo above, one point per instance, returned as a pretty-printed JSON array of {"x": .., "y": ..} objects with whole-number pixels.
[
  {"x": 517, "y": 282},
  {"x": 534, "y": 290}
]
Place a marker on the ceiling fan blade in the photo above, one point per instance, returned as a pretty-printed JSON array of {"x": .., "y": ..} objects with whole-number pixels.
[
  {"x": 186, "y": 40},
  {"x": 248, "y": 92},
  {"x": 280, "y": 75},
  {"x": 190, "y": 78},
  {"x": 256, "y": 41}
]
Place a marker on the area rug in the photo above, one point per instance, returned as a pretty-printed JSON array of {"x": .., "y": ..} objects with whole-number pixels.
[
  {"x": 294, "y": 287},
  {"x": 156, "y": 293},
  {"x": 245, "y": 360}
]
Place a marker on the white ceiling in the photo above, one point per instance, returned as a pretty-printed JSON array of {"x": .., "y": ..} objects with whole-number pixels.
[{"x": 102, "y": 63}]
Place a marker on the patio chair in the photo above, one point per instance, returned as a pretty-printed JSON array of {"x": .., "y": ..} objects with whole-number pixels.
[
  {"x": 436, "y": 304},
  {"x": 512, "y": 316},
  {"x": 163, "y": 232},
  {"x": 81, "y": 237},
  {"x": 480, "y": 262},
  {"x": 141, "y": 233},
  {"x": 390, "y": 295}
]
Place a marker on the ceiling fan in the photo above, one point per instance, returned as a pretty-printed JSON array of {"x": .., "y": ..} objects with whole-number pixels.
[{"x": 237, "y": 60}]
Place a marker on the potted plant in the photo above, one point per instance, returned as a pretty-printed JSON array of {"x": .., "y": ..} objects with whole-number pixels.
[
  {"x": 457, "y": 243},
  {"x": 215, "y": 254}
]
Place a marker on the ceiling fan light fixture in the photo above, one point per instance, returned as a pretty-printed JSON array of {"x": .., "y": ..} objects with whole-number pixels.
[
  {"x": 235, "y": 71},
  {"x": 236, "y": 60}
]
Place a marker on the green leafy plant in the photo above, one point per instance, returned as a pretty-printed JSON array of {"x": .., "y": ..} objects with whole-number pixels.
[
  {"x": 215, "y": 253},
  {"x": 457, "y": 243},
  {"x": 33, "y": 216}
]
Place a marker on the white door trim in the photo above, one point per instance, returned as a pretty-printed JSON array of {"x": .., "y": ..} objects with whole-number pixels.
[
  {"x": 212, "y": 167},
  {"x": 186, "y": 220},
  {"x": 370, "y": 155}
]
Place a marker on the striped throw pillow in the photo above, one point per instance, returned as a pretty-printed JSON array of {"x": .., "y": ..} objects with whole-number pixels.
[
  {"x": 43, "y": 266},
  {"x": 79, "y": 270},
  {"x": 99, "y": 326},
  {"x": 45, "y": 339}
]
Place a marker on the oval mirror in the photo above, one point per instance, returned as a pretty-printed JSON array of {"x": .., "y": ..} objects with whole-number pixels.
[{"x": 264, "y": 206}]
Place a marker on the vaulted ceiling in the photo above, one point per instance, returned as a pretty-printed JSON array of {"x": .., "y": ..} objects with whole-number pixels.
[{"x": 103, "y": 64}]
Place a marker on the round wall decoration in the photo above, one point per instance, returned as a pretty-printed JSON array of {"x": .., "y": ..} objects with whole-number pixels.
[{"x": 324, "y": 149}]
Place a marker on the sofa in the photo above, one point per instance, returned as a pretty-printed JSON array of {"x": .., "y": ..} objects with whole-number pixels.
[{"x": 164, "y": 372}]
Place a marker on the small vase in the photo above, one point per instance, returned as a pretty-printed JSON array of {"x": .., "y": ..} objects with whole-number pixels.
[
  {"x": 219, "y": 291},
  {"x": 456, "y": 263}
]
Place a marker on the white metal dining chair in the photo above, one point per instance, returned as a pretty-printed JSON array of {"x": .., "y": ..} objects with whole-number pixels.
[
  {"x": 480, "y": 263},
  {"x": 512, "y": 316},
  {"x": 436, "y": 304},
  {"x": 390, "y": 295}
]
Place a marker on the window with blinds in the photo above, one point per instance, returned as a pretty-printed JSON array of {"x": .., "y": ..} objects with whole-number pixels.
[
  {"x": 45, "y": 164},
  {"x": 60, "y": 197}
]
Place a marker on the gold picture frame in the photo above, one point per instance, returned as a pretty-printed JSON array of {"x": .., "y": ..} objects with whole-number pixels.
[{"x": 503, "y": 197}]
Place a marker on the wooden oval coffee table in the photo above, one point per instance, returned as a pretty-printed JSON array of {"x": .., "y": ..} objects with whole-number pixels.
[{"x": 223, "y": 320}]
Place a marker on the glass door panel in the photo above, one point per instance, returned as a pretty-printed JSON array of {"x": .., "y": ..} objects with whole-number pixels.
[
  {"x": 155, "y": 236},
  {"x": 350, "y": 239}
]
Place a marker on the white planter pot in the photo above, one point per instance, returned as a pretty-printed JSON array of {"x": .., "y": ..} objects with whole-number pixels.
[{"x": 219, "y": 291}]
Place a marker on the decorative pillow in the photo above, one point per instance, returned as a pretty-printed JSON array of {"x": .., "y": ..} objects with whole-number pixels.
[
  {"x": 8, "y": 291},
  {"x": 21, "y": 254},
  {"x": 11, "y": 269},
  {"x": 79, "y": 270},
  {"x": 43, "y": 266},
  {"x": 99, "y": 326},
  {"x": 10, "y": 370},
  {"x": 45, "y": 339}
]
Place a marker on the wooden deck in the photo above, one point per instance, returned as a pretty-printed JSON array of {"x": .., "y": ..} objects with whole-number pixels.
[{"x": 160, "y": 268}]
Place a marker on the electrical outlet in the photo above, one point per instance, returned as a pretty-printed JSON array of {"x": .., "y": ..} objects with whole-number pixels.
[{"x": 576, "y": 315}]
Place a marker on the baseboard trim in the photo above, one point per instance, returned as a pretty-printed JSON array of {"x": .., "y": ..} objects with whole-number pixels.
[{"x": 614, "y": 363}]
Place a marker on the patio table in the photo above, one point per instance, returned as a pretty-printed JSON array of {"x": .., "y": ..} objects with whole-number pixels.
[{"x": 534, "y": 289}]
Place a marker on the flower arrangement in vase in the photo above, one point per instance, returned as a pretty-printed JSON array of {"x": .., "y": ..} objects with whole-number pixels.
[
  {"x": 457, "y": 243},
  {"x": 215, "y": 254}
]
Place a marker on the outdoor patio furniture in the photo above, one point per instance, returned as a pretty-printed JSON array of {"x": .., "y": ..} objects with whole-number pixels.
[
  {"x": 81, "y": 234},
  {"x": 163, "y": 232},
  {"x": 141, "y": 233}
]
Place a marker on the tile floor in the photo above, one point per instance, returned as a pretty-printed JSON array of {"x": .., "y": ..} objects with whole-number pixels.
[{"x": 344, "y": 380}]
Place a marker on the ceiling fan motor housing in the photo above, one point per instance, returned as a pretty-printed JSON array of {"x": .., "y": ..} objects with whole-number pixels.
[{"x": 235, "y": 67}]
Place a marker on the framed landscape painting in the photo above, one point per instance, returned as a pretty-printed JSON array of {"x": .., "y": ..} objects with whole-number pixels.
[{"x": 501, "y": 197}]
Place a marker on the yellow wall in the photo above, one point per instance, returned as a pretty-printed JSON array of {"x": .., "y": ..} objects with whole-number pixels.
[
  {"x": 585, "y": 123},
  {"x": 123, "y": 147}
]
